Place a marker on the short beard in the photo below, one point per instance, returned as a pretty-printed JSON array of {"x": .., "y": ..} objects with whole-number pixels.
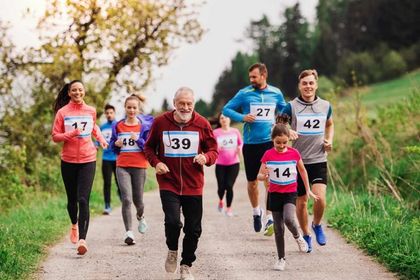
[{"x": 184, "y": 117}]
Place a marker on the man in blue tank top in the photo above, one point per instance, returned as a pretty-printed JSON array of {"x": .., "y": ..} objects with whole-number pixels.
[{"x": 256, "y": 106}]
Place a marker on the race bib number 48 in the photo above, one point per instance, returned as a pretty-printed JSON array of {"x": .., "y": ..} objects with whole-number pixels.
[
  {"x": 310, "y": 124},
  {"x": 77, "y": 122},
  {"x": 264, "y": 112},
  {"x": 180, "y": 143},
  {"x": 228, "y": 142},
  {"x": 129, "y": 145},
  {"x": 282, "y": 172}
]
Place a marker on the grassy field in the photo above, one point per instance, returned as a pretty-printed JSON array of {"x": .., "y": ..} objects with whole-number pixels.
[
  {"x": 28, "y": 230},
  {"x": 390, "y": 91}
]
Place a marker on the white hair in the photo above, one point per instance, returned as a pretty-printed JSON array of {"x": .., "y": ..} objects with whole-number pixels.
[{"x": 183, "y": 90}]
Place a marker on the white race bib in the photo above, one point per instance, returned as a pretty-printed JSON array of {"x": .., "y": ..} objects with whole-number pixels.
[
  {"x": 75, "y": 122},
  {"x": 107, "y": 133},
  {"x": 310, "y": 124},
  {"x": 264, "y": 112},
  {"x": 227, "y": 142},
  {"x": 129, "y": 145},
  {"x": 180, "y": 143},
  {"x": 282, "y": 172}
]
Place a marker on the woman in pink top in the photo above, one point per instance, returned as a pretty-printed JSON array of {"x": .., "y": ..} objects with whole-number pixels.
[
  {"x": 229, "y": 143},
  {"x": 279, "y": 166},
  {"x": 74, "y": 124}
]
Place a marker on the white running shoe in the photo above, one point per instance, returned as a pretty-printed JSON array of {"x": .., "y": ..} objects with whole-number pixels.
[
  {"x": 170, "y": 263},
  {"x": 142, "y": 225},
  {"x": 186, "y": 273},
  {"x": 303, "y": 246},
  {"x": 129, "y": 238},
  {"x": 280, "y": 264}
]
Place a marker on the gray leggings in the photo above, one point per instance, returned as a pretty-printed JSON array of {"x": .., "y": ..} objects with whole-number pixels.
[
  {"x": 287, "y": 216},
  {"x": 131, "y": 182}
]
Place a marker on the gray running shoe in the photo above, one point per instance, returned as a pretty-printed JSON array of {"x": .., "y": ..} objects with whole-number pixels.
[
  {"x": 186, "y": 273},
  {"x": 280, "y": 264},
  {"x": 170, "y": 264}
]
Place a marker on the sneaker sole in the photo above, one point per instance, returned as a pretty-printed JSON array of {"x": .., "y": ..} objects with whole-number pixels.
[
  {"x": 269, "y": 231},
  {"x": 129, "y": 241},
  {"x": 81, "y": 250}
]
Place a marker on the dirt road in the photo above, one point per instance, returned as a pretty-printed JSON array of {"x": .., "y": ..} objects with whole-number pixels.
[{"x": 228, "y": 249}]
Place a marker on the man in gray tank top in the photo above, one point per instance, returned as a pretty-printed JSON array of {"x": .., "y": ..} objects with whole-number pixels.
[{"x": 311, "y": 119}]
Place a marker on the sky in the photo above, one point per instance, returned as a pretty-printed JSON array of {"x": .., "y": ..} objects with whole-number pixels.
[{"x": 197, "y": 66}]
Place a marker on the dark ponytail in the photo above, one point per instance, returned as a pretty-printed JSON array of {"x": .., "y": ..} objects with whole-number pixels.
[{"x": 63, "y": 97}]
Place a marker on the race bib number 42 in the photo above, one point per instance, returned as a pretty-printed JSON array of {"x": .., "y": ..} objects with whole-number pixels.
[
  {"x": 129, "y": 145},
  {"x": 263, "y": 112},
  {"x": 282, "y": 172},
  {"x": 77, "y": 122},
  {"x": 310, "y": 124},
  {"x": 180, "y": 143}
]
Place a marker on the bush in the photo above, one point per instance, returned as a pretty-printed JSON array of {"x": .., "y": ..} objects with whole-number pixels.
[
  {"x": 325, "y": 86},
  {"x": 393, "y": 65},
  {"x": 362, "y": 65}
]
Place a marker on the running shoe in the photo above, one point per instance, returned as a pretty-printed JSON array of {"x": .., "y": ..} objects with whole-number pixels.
[
  {"x": 319, "y": 233},
  {"x": 142, "y": 225},
  {"x": 280, "y": 264},
  {"x": 186, "y": 273},
  {"x": 269, "y": 228},
  {"x": 129, "y": 238},
  {"x": 258, "y": 221},
  {"x": 303, "y": 246},
  {"x": 308, "y": 240},
  {"x": 170, "y": 263},
  {"x": 82, "y": 247},
  {"x": 220, "y": 206},
  {"x": 74, "y": 234},
  {"x": 107, "y": 211},
  {"x": 229, "y": 212}
]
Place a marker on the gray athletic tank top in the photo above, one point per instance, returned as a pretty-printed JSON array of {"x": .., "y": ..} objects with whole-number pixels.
[{"x": 309, "y": 120}]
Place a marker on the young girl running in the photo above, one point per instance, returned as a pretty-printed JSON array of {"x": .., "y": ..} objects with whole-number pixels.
[
  {"x": 229, "y": 144},
  {"x": 74, "y": 124},
  {"x": 128, "y": 138},
  {"x": 279, "y": 168}
]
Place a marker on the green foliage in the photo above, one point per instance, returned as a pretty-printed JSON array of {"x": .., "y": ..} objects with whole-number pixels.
[
  {"x": 393, "y": 65},
  {"x": 382, "y": 227},
  {"x": 363, "y": 64}
]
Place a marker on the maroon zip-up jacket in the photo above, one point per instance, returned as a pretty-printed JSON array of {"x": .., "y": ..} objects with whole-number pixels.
[{"x": 185, "y": 177}]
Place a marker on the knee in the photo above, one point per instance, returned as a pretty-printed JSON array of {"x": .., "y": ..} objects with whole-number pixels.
[
  {"x": 126, "y": 201},
  {"x": 82, "y": 201},
  {"x": 302, "y": 202}
]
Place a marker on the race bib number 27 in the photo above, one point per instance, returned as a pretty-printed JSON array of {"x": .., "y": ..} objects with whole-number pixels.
[{"x": 263, "y": 112}]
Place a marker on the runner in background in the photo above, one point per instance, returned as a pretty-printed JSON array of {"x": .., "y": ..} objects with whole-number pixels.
[
  {"x": 229, "y": 143},
  {"x": 108, "y": 158},
  {"x": 74, "y": 125},
  {"x": 256, "y": 106}
]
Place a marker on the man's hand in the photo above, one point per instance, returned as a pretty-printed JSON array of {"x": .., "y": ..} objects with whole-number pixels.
[
  {"x": 293, "y": 135},
  {"x": 118, "y": 143},
  {"x": 327, "y": 145},
  {"x": 249, "y": 118},
  {"x": 200, "y": 159},
  {"x": 161, "y": 168}
]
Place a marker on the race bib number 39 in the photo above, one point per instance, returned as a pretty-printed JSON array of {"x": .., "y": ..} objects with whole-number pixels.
[
  {"x": 228, "y": 142},
  {"x": 76, "y": 122},
  {"x": 264, "y": 112},
  {"x": 311, "y": 124},
  {"x": 282, "y": 172},
  {"x": 129, "y": 145},
  {"x": 180, "y": 143}
]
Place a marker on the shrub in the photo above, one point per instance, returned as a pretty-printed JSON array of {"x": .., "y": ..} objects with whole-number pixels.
[
  {"x": 361, "y": 64},
  {"x": 393, "y": 65}
]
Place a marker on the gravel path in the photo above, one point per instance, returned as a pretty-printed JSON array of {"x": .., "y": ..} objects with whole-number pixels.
[{"x": 228, "y": 249}]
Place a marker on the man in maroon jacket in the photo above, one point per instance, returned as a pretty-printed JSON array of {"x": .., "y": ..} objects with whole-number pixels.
[{"x": 180, "y": 142}]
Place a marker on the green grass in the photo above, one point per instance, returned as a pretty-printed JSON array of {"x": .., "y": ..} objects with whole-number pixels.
[
  {"x": 390, "y": 91},
  {"x": 382, "y": 227},
  {"x": 28, "y": 230}
]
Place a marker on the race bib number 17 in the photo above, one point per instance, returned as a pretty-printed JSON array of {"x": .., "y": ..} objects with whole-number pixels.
[
  {"x": 180, "y": 143},
  {"x": 77, "y": 122}
]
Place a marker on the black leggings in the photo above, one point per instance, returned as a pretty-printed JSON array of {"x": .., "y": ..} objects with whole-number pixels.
[
  {"x": 226, "y": 177},
  {"x": 109, "y": 167},
  {"x": 78, "y": 180}
]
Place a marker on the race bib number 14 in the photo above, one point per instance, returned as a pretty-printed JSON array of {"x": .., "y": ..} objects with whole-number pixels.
[
  {"x": 180, "y": 143},
  {"x": 282, "y": 172}
]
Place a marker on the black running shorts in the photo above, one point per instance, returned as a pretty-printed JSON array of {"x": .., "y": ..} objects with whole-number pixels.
[
  {"x": 252, "y": 158},
  {"x": 317, "y": 174}
]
